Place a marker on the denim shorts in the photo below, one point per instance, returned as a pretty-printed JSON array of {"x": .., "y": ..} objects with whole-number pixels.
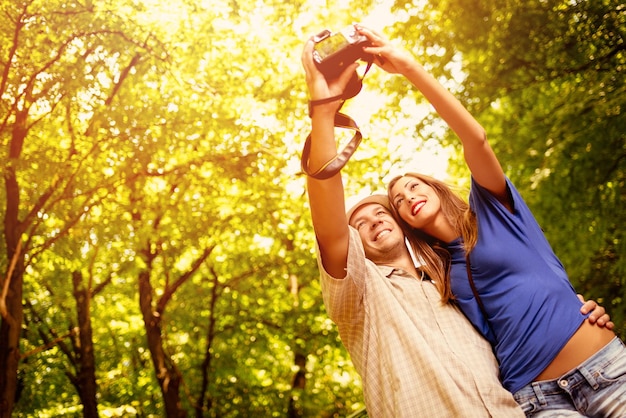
[{"x": 596, "y": 388}]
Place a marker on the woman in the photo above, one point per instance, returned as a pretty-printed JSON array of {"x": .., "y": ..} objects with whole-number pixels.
[{"x": 492, "y": 259}]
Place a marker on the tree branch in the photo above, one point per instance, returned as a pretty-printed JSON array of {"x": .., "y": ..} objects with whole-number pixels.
[{"x": 50, "y": 344}]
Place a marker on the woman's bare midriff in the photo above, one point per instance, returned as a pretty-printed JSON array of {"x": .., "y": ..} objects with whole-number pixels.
[{"x": 587, "y": 341}]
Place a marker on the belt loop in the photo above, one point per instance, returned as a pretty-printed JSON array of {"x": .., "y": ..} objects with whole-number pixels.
[
  {"x": 589, "y": 376},
  {"x": 539, "y": 394}
]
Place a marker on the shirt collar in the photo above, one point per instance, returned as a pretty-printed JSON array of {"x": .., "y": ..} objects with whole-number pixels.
[{"x": 389, "y": 271}]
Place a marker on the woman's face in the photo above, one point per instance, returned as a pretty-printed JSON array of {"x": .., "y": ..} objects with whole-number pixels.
[{"x": 416, "y": 202}]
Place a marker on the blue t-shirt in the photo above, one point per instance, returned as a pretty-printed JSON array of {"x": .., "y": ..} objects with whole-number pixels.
[{"x": 531, "y": 306}]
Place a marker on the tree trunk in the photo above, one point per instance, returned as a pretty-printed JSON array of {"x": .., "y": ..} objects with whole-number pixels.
[
  {"x": 11, "y": 308},
  {"x": 85, "y": 380},
  {"x": 298, "y": 384},
  {"x": 205, "y": 400},
  {"x": 167, "y": 374},
  {"x": 9, "y": 345}
]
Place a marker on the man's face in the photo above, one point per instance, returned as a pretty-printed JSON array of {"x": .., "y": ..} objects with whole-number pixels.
[{"x": 380, "y": 233}]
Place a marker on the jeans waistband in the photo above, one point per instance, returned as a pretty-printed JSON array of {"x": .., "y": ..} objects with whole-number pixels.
[{"x": 584, "y": 373}]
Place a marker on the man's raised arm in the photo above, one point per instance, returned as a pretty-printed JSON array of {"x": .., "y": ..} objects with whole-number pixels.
[{"x": 326, "y": 197}]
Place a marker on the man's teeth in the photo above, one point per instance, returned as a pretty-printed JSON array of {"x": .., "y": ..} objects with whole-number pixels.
[{"x": 382, "y": 233}]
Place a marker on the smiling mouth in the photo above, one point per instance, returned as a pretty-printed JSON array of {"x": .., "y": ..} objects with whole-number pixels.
[
  {"x": 417, "y": 206},
  {"x": 381, "y": 234}
]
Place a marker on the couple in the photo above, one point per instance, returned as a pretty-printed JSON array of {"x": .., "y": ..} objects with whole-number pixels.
[{"x": 423, "y": 339}]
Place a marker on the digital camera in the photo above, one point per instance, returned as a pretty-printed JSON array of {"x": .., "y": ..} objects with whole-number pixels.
[{"x": 334, "y": 51}]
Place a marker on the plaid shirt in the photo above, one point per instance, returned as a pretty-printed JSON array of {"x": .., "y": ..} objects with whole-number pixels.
[{"x": 416, "y": 356}]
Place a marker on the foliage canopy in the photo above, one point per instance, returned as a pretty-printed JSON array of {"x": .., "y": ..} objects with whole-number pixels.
[{"x": 154, "y": 213}]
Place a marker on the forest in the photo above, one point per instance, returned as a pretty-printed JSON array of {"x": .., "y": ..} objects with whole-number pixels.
[{"x": 158, "y": 258}]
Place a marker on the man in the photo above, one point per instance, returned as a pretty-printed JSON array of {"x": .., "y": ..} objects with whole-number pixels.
[{"x": 416, "y": 355}]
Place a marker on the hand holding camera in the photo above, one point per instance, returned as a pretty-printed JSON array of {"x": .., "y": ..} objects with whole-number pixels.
[
  {"x": 333, "y": 52},
  {"x": 330, "y": 68},
  {"x": 331, "y": 76}
]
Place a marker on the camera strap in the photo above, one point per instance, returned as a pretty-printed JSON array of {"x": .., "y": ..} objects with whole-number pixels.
[
  {"x": 342, "y": 120},
  {"x": 337, "y": 162}
]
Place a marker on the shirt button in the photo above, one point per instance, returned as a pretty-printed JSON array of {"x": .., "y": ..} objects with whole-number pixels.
[{"x": 563, "y": 383}]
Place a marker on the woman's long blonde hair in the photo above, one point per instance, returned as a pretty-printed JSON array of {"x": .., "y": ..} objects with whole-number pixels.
[{"x": 436, "y": 257}]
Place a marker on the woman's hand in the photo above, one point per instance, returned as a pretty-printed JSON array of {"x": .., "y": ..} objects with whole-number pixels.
[{"x": 387, "y": 56}]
